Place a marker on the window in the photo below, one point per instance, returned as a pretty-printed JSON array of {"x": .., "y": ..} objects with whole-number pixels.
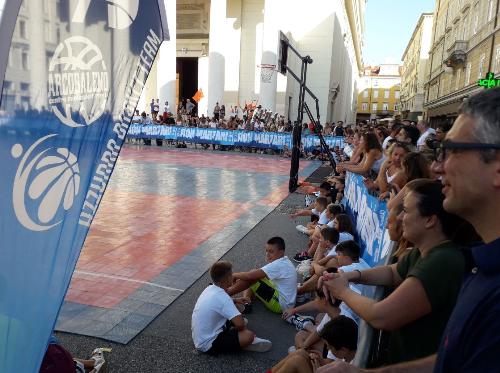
[
  {"x": 375, "y": 93},
  {"x": 23, "y": 33},
  {"x": 24, "y": 60},
  {"x": 11, "y": 57},
  {"x": 490, "y": 9},
  {"x": 397, "y": 94},
  {"x": 374, "y": 107},
  {"x": 467, "y": 74},
  {"x": 364, "y": 106},
  {"x": 481, "y": 67},
  {"x": 7, "y": 85},
  {"x": 464, "y": 30},
  {"x": 459, "y": 71},
  {"x": 365, "y": 93},
  {"x": 58, "y": 10},
  {"x": 476, "y": 19},
  {"x": 386, "y": 93},
  {"x": 25, "y": 86},
  {"x": 496, "y": 64},
  {"x": 385, "y": 106}
]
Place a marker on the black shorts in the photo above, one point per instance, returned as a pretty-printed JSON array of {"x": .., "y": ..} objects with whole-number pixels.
[{"x": 226, "y": 342}]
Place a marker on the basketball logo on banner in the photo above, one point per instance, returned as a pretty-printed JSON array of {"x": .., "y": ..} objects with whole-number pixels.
[
  {"x": 48, "y": 177},
  {"x": 78, "y": 82}
]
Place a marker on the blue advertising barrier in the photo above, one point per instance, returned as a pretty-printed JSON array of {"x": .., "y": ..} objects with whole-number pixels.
[
  {"x": 370, "y": 217},
  {"x": 266, "y": 140},
  {"x": 64, "y": 118}
]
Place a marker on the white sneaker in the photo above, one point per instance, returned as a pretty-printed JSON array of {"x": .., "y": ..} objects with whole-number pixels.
[
  {"x": 291, "y": 349},
  {"x": 259, "y": 345},
  {"x": 301, "y": 228}
]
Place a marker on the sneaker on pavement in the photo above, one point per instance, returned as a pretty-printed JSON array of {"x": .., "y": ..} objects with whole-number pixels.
[
  {"x": 303, "y": 255},
  {"x": 259, "y": 345},
  {"x": 299, "y": 321},
  {"x": 302, "y": 229}
]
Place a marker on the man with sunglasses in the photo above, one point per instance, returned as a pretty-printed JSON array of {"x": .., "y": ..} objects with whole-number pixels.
[{"x": 468, "y": 162}]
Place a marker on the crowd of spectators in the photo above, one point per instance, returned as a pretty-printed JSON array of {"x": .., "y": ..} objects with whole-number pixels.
[{"x": 440, "y": 310}]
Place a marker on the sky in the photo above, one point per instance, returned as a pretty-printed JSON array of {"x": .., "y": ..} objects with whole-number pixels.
[{"x": 389, "y": 25}]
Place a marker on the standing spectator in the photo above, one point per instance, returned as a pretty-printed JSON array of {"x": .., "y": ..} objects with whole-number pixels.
[
  {"x": 155, "y": 109},
  {"x": 216, "y": 111},
  {"x": 189, "y": 106},
  {"x": 441, "y": 131},
  {"x": 152, "y": 108},
  {"x": 222, "y": 111},
  {"x": 166, "y": 108},
  {"x": 338, "y": 130},
  {"x": 425, "y": 131}
]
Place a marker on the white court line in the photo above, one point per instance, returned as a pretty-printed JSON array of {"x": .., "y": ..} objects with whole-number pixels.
[{"x": 125, "y": 279}]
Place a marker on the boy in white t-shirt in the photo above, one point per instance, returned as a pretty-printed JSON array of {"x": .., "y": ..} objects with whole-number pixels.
[
  {"x": 345, "y": 256},
  {"x": 216, "y": 324},
  {"x": 275, "y": 284}
]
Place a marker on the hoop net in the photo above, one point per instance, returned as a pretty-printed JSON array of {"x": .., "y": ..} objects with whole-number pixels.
[{"x": 266, "y": 72}]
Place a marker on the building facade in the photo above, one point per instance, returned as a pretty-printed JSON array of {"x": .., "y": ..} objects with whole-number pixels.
[
  {"x": 413, "y": 78},
  {"x": 379, "y": 92},
  {"x": 220, "y": 45},
  {"x": 466, "y": 46}
]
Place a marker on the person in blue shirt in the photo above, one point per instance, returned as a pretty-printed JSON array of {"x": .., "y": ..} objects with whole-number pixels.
[{"x": 468, "y": 162}]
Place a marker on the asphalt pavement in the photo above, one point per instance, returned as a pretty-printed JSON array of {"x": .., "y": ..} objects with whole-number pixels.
[{"x": 166, "y": 344}]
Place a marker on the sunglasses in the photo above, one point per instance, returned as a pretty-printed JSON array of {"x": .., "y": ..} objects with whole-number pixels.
[{"x": 455, "y": 147}]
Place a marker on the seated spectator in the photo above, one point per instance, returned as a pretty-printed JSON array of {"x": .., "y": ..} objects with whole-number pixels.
[
  {"x": 372, "y": 157},
  {"x": 340, "y": 335},
  {"x": 319, "y": 209},
  {"x": 427, "y": 280},
  {"x": 58, "y": 360},
  {"x": 332, "y": 211},
  {"x": 344, "y": 256},
  {"x": 275, "y": 284},
  {"x": 217, "y": 326}
]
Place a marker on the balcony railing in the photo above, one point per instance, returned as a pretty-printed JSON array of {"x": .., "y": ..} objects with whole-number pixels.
[{"x": 456, "y": 53}]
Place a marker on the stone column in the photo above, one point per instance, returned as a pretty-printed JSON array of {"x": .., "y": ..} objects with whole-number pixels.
[
  {"x": 270, "y": 39},
  {"x": 216, "y": 64},
  {"x": 37, "y": 62},
  {"x": 203, "y": 85},
  {"x": 166, "y": 66}
]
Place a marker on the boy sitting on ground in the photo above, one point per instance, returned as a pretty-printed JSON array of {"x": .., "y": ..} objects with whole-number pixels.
[
  {"x": 332, "y": 211},
  {"x": 275, "y": 284},
  {"x": 347, "y": 258},
  {"x": 319, "y": 209},
  {"x": 216, "y": 325},
  {"x": 341, "y": 338}
]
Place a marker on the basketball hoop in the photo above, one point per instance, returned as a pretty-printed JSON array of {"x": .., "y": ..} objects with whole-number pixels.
[{"x": 266, "y": 72}]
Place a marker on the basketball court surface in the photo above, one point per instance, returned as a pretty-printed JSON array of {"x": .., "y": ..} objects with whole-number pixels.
[{"x": 166, "y": 216}]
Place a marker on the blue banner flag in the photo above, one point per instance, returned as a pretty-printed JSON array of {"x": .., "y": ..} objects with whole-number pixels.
[
  {"x": 72, "y": 73},
  {"x": 263, "y": 140},
  {"x": 370, "y": 216}
]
